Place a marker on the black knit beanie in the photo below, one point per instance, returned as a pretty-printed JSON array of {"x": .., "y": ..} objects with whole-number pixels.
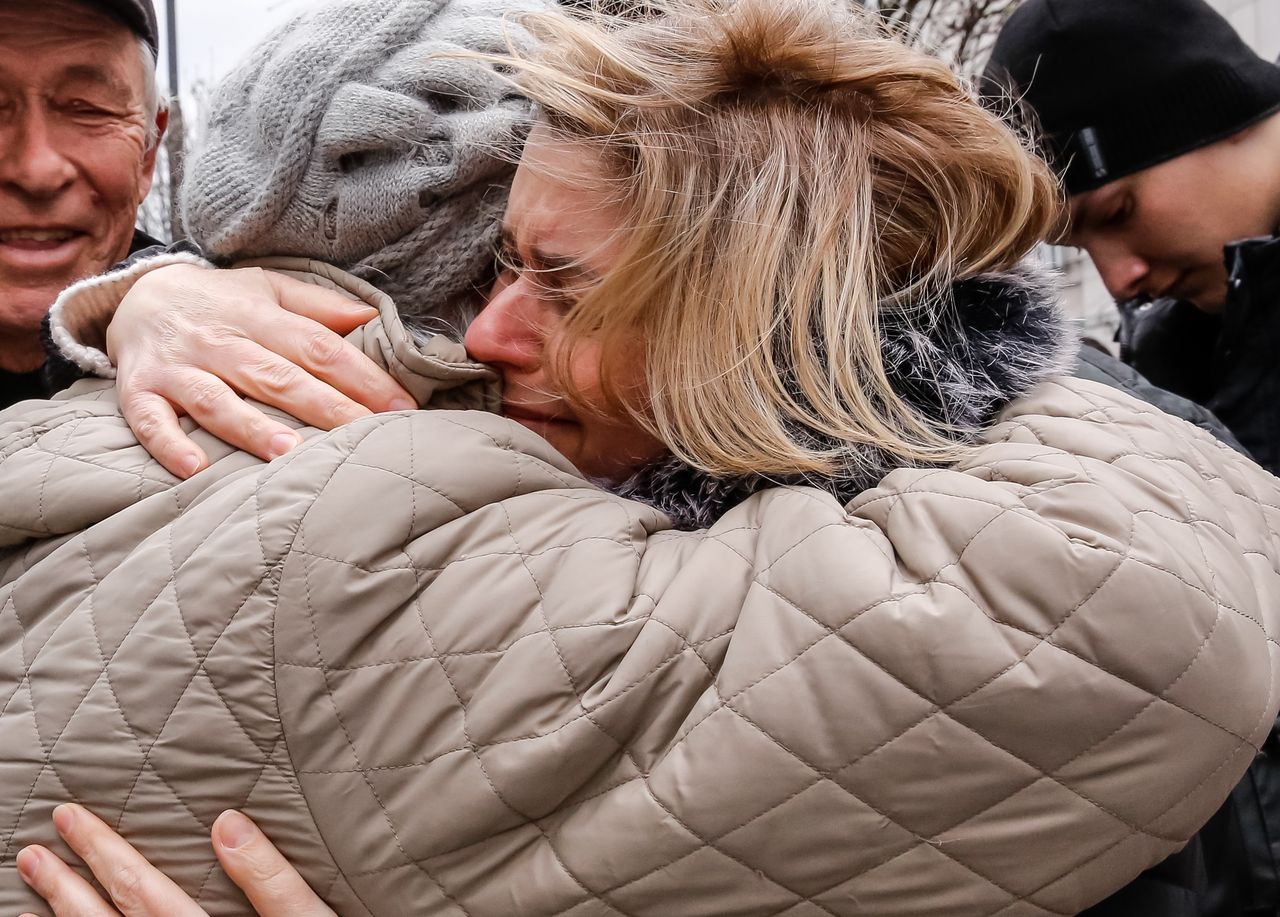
[{"x": 1117, "y": 86}]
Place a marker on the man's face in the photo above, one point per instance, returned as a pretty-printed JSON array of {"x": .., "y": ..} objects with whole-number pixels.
[
  {"x": 1161, "y": 231},
  {"x": 74, "y": 158}
]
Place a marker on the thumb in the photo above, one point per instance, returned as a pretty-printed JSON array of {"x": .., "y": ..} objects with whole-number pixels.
[{"x": 271, "y": 884}]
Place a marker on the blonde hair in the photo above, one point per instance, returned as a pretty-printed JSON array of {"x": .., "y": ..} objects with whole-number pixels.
[{"x": 790, "y": 172}]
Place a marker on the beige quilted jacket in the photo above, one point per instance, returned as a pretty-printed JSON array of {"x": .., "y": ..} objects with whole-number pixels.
[{"x": 449, "y": 676}]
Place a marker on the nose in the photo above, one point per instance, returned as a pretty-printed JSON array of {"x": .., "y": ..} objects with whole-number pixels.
[
  {"x": 30, "y": 160},
  {"x": 511, "y": 329},
  {"x": 1124, "y": 274}
]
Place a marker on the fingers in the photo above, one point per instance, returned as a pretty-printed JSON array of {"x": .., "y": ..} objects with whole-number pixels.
[
  {"x": 136, "y": 887},
  {"x": 333, "y": 310},
  {"x": 217, "y": 408},
  {"x": 155, "y": 424},
  {"x": 55, "y": 882},
  {"x": 336, "y": 361},
  {"x": 273, "y": 886},
  {"x": 212, "y": 404},
  {"x": 327, "y": 391},
  {"x": 194, "y": 344}
]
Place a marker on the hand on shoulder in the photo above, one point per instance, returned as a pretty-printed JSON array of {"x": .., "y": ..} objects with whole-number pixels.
[{"x": 138, "y": 889}]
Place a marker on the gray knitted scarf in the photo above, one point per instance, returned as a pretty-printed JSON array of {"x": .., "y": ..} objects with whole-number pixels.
[{"x": 346, "y": 137}]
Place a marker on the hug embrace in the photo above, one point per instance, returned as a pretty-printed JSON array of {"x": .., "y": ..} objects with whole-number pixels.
[{"x": 759, "y": 542}]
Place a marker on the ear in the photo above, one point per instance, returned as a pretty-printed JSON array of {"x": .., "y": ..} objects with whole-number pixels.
[
  {"x": 162, "y": 125},
  {"x": 149, "y": 158}
]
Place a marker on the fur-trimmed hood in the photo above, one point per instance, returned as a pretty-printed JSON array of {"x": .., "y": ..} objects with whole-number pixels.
[{"x": 999, "y": 337}]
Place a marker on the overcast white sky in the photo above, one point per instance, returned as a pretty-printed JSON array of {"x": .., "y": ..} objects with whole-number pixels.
[{"x": 213, "y": 35}]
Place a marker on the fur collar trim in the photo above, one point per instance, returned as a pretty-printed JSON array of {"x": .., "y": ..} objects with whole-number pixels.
[{"x": 1001, "y": 336}]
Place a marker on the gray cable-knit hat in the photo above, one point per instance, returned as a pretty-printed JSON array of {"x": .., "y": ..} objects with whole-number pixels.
[{"x": 344, "y": 137}]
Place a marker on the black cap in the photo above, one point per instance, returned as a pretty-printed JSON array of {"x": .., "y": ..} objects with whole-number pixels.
[
  {"x": 1117, "y": 86},
  {"x": 139, "y": 15}
]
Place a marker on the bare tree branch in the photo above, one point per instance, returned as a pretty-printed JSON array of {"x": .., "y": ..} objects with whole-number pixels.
[{"x": 959, "y": 31}]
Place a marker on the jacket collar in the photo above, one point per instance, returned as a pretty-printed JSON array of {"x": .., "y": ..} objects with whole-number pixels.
[{"x": 1253, "y": 288}]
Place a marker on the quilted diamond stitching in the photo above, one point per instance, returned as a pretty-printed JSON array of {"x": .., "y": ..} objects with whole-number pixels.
[
  {"x": 1122, "y": 558},
  {"x": 987, "y": 739},
  {"x": 944, "y": 708},
  {"x": 105, "y": 675},
  {"x": 462, "y": 704},
  {"x": 47, "y": 764},
  {"x": 346, "y": 732},
  {"x": 810, "y": 533}
]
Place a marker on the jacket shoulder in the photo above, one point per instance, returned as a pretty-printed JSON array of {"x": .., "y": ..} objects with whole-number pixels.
[
  {"x": 1099, "y": 367},
  {"x": 931, "y": 669}
]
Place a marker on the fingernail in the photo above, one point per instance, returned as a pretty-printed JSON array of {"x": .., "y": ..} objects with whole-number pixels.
[
  {"x": 283, "y": 444},
  {"x": 404, "y": 404},
  {"x": 189, "y": 464},
  {"x": 28, "y": 864},
  {"x": 234, "y": 830},
  {"x": 64, "y": 819}
]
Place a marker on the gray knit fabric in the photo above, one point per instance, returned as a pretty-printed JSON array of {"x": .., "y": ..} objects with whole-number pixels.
[{"x": 344, "y": 138}]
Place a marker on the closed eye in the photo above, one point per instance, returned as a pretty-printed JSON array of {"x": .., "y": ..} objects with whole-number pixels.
[
  {"x": 547, "y": 282},
  {"x": 81, "y": 108},
  {"x": 1121, "y": 213},
  {"x": 506, "y": 258}
]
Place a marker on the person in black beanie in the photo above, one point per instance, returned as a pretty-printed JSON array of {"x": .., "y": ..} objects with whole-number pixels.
[{"x": 1165, "y": 128}]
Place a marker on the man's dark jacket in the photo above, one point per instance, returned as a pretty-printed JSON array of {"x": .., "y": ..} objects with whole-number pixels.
[
  {"x": 55, "y": 375},
  {"x": 1230, "y": 363}
]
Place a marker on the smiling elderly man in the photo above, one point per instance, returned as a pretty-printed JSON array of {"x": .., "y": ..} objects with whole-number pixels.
[{"x": 80, "y": 121}]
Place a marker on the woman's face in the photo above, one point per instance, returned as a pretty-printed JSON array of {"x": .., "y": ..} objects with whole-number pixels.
[{"x": 558, "y": 238}]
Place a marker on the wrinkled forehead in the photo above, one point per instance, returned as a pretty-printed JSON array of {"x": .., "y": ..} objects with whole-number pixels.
[
  {"x": 564, "y": 203},
  {"x": 63, "y": 39},
  {"x": 556, "y": 172}
]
